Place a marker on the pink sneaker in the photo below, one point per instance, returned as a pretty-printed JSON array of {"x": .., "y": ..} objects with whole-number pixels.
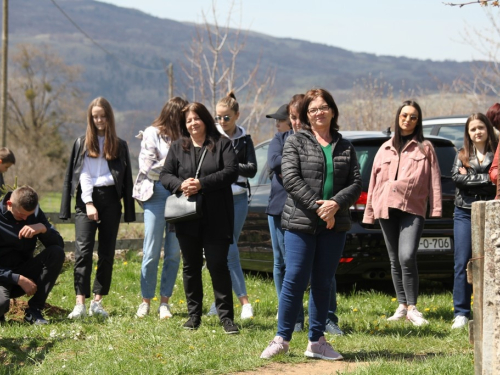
[
  {"x": 399, "y": 314},
  {"x": 322, "y": 349},
  {"x": 277, "y": 346},
  {"x": 416, "y": 317}
]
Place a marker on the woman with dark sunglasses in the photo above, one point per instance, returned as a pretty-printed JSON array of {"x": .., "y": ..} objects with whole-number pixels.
[{"x": 405, "y": 175}]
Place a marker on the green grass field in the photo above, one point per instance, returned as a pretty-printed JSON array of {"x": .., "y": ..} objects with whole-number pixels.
[{"x": 125, "y": 344}]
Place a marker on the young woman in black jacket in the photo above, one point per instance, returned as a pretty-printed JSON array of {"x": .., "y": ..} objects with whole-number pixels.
[
  {"x": 99, "y": 176},
  {"x": 213, "y": 233},
  {"x": 470, "y": 174}
]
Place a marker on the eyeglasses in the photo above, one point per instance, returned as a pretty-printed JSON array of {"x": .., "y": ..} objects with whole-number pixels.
[
  {"x": 314, "y": 111},
  {"x": 225, "y": 118},
  {"x": 404, "y": 116}
]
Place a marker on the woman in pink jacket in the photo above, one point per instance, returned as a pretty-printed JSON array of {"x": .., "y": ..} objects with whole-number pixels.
[{"x": 405, "y": 176}]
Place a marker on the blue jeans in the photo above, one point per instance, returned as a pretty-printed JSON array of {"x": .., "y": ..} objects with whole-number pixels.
[
  {"x": 332, "y": 307},
  {"x": 278, "y": 242},
  {"x": 462, "y": 290},
  {"x": 233, "y": 257},
  {"x": 154, "y": 228},
  {"x": 312, "y": 257}
]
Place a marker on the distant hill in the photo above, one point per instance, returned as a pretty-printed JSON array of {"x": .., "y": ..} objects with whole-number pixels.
[{"x": 149, "y": 42}]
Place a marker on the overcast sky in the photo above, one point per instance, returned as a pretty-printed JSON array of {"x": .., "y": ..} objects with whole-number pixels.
[{"x": 424, "y": 29}]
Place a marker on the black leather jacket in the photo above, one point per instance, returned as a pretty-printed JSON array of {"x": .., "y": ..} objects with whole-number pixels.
[
  {"x": 120, "y": 169},
  {"x": 245, "y": 153},
  {"x": 476, "y": 184},
  {"x": 303, "y": 168}
]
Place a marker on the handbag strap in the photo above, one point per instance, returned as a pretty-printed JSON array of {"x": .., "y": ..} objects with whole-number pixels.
[{"x": 199, "y": 163}]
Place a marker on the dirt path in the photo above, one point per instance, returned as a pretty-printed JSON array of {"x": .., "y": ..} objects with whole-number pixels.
[{"x": 316, "y": 367}]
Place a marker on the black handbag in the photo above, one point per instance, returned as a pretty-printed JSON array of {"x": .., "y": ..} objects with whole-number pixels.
[{"x": 179, "y": 208}]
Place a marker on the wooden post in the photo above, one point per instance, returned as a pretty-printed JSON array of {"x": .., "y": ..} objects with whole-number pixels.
[{"x": 486, "y": 229}]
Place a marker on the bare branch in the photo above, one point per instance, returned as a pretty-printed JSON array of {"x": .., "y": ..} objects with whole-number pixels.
[{"x": 483, "y": 3}]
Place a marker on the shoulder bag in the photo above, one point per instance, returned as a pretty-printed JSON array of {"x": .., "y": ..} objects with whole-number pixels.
[{"x": 179, "y": 208}]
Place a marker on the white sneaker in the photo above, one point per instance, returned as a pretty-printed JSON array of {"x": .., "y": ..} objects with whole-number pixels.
[
  {"x": 143, "y": 310},
  {"x": 247, "y": 312},
  {"x": 164, "y": 311},
  {"x": 460, "y": 321},
  {"x": 400, "y": 313},
  {"x": 416, "y": 317},
  {"x": 212, "y": 311},
  {"x": 97, "y": 309},
  {"x": 78, "y": 312}
]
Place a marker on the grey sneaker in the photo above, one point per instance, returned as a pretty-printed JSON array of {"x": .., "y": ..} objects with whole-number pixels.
[
  {"x": 416, "y": 317},
  {"x": 460, "y": 321},
  {"x": 275, "y": 347},
  {"x": 143, "y": 310},
  {"x": 97, "y": 309},
  {"x": 78, "y": 312},
  {"x": 164, "y": 311},
  {"x": 322, "y": 349},
  {"x": 34, "y": 316},
  {"x": 298, "y": 327},
  {"x": 333, "y": 329},
  {"x": 399, "y": 314},
  {"x": 212, "y": 311}
]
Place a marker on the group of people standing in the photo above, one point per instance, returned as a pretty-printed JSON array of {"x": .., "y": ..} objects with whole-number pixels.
[{"x": 315, "y": 179}]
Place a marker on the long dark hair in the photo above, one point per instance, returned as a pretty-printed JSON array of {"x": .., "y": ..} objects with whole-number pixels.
[
  {"x": 212, "y": 134},
  {"x": 418, "y": 132},
  {"x": 170, "y": 119},
  {"x": 493, "y": 115},
  {"x": 111, "y": 141},
  {"x": 328, "y": 98},
  {"x": 468, "y": 149}
]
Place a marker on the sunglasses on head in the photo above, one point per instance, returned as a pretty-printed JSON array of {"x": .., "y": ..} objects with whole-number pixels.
[{"x": 225, "y": 118}]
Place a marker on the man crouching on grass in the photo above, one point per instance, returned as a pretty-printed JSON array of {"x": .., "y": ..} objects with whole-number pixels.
[{"x": 22, "y": 222}]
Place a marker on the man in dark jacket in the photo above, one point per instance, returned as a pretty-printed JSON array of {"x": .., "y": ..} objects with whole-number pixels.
[{"x": 22, "y": 223}]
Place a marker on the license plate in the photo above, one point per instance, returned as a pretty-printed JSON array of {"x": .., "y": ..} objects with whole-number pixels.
[{"x": 435, "y": 243}]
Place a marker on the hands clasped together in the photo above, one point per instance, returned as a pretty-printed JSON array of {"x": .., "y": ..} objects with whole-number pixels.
[
  {"x": 327, "y": 211},
  {"x": 190, "y": 186}
]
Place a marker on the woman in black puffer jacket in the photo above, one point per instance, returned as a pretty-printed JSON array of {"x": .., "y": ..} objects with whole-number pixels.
[{"x": 321, "y": 176}]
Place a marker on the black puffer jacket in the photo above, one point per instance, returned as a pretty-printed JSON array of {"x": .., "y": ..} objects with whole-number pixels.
[
  {"x": 476, "y": 184},
  {"x": 303, "y": 168}
]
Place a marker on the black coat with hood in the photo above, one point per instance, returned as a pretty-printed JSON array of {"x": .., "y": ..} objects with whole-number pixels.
[{"x": 303, "y": 167}]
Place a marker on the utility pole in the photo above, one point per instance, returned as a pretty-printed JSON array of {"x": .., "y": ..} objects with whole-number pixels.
[
  {"x": 170, "y": 74},
  {"x": 5, "y": 44}
]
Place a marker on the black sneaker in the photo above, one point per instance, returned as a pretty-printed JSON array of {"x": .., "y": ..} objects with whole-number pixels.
[
  {"x": 34, "y": 316},
  {"x": 194, "y": 322},
  {"x": 229, "y": 327}
]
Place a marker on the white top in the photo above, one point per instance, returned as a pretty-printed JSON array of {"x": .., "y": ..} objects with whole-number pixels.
[{"x": 95, "y": 172}]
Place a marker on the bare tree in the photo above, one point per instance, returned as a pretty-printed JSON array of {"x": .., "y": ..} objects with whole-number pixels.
[
  {"x": 483, "y": 3},
  {"x": 43, "y": 98},
  {"x": 212, "y": 69}
]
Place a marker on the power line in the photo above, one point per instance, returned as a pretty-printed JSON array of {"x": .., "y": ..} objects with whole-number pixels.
[{"x": 100, "y": 46}]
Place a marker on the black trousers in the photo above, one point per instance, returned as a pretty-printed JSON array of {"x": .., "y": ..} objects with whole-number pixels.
[
  {"x": 43, "y": 270},
  {"x": 109, "y": 209},
  {"x": 216, "y": 257}
]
